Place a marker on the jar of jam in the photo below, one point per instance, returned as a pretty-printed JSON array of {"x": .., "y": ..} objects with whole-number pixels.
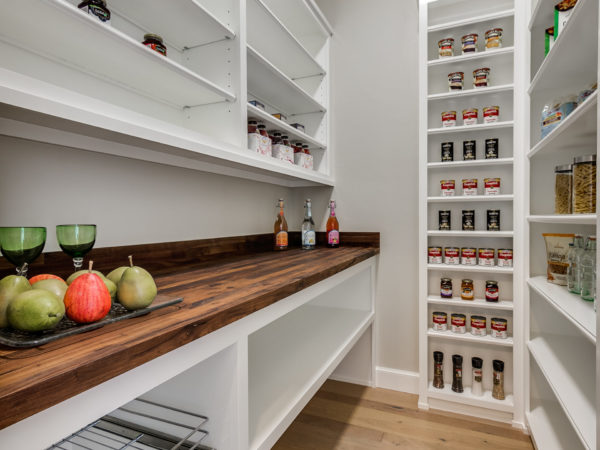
[
  {"x": 305, "y": 149},
  {"x": 466, "y": 289},
  {"x": 491, "y": 291},
  {"x": 446, "y": 288},
  {"x": 96, "y": 8},
  {"x": 155, "y": 42},
  {"x": 285, "y": 140},
  {"x": 252, "y": 126},
  {"x": 276, "y": 137},
  {"x": 262, "y": 130}
]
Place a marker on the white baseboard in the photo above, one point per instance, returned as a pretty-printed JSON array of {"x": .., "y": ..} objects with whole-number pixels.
[
  {"x": 353, "y": 380},
  {"x": 397, "y": 380}
]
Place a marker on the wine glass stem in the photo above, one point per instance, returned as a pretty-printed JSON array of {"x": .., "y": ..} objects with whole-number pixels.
[
  {"x": 22, "y": 271},
  {"x": 77, "y": 262}
]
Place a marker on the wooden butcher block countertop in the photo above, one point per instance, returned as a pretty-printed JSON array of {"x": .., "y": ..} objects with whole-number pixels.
[{"x": 220, "y": 280}]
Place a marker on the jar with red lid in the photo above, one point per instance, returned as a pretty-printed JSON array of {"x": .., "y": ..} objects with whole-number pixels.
[
  {"x": 155, "y": 42},
  {"x": 446, "y": 287}
]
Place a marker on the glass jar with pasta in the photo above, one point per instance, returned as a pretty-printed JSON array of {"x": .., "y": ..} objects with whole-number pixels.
[
  {"x": 563, "y": 189},
  {"x": 584, "y": 184}
]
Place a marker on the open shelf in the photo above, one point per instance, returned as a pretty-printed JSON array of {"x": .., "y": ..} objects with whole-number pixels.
[
  {"x": 471, "y": 20},
  {"x": 564, "y": 370},
  {"x": 473, "y": 163},
  {"x": 300, "y": 18},
  {"x": 574, "y": 54},
  {"x": 182, "y": 23},
  {"x": 465, "y": 128},
  {"x": 472, "y": 198},
  {"x": 579, "y": 312},
  {"x": 543, "y": 422},
  {"x": 464, "y": 268},
  {"x": 477, "y": 234},
  {"x": 67, "y": 33},
  {"x": 575, "y": 219},
  {"x": 472, "y": 92},
  {"x": 467, "y": 398},
  {"x": 270, "y": 36},
  {"x": 578, "y": 129},
  {"x": 293, "y": 133},
  {"x": 480, "y": 57},
  {"x": 477, "y": 303},
  {"x": 270, "y": 85},
  {"x": 468, "y": 337}
]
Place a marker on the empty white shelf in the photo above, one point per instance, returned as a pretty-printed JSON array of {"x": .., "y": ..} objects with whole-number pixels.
[
  {"x": 579, "y": 219},
  {"x": 472, "y": 92},
  {"x": 478, "y": 234},
  {"x": 473, "y": 163},
  {"x": 472, "y": 198},
  {"x": 471, "y": 20},
  {"x": 477, "y": 303},
  {"x": 468, "y": 337},
  {"x": 463, "y": 268},
  {"x": 467, "y": 398},
  {"x": 466, "y": 128}
]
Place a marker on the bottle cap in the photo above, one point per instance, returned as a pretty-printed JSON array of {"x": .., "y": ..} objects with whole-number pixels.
[
  {"x": 438, "y": 357},
  {"x": 498, "y": 365},
  {"x": 457, "y": 359},
  {"x": 477, "y": 362}
]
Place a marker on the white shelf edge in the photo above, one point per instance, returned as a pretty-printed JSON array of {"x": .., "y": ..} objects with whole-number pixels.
[
  {"x": 581, "y": 219},
  {"x": 320, "y": 17},
  {"x": 477, "y": 127},
  {"x": 565, "y": 125},
  {"x": 477, "y": 303},
  {"x": 545, "y": 290},
  {"x": 473, "y": 163},
  {"x": 470, "y": 57},
  {"x": 467, "y": 398},
  {"x": 471, "y": 92},
  {"x": 468, "y": 337},
  {"x": 471, "y": 20},
  {"x": 474, "y": 234},
  {"x": 463, "y": 268},
  {"x": 472, "y": 198},
  {"x": 286, "y": 79}
]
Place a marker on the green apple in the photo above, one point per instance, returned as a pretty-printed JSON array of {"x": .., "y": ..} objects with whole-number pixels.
[
  {"x": 10, "y": 287},
  {"x": 35, "y": 310}
]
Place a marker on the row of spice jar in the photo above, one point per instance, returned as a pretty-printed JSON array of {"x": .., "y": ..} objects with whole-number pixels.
[
  {"x": 470, "y": 256},
  {"x": 477, "y": 375},
  {"x": 481, "y": 78},
  {"x": 575, "y": 186},
  {"x": 478, "y": 324},
  {"x": 468, "y": 220},
  {"x": 467, "y": 289},
  {"x": 470, "y": 116},
  {"x": 491, "y": 186},
  {"x": 470, "y": 43},
  {"x": 278, "y": 145},
  {"x": 470, "y": 150}
]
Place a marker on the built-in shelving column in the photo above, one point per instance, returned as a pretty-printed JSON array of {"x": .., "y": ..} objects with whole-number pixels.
[
  {"x": 561, "y": 326},
  {"x": 439, "y": 20}
]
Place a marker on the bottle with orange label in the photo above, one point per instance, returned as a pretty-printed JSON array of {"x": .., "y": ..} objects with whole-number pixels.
[
  {"x": 281, "y": 228},
  {"x": 333, "y": 227}
]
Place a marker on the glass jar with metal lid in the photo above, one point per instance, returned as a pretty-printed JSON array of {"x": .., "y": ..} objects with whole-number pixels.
[
  {"x": 466, "y": 289},
  {"x": 155, "y": 42},
  {"x": 563, "y": 189},
  {"x": 584, "y": 184},
  {"x": 96, "y": 8}
]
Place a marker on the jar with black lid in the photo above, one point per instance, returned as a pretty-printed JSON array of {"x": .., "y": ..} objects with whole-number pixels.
[
  {"x": 155, "y": 42},
  {"x": 446, "y": 288},
  {"x": 96, "y": 8}
]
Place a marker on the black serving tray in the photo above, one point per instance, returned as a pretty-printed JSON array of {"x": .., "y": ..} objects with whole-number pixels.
[{"x": 67, "y": 327}]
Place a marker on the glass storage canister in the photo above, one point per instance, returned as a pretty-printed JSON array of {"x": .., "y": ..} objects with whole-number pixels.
[
  {"x": 455, "y": 81},
  {"x": 493, "y": 38},
  {"x": 563, "y": 189},
  {"x": 438, "y": 370},
  {"x": 584, "y": 184},
  {"x": 446, "y": 47},
  {"x": 155, "y": 42}
]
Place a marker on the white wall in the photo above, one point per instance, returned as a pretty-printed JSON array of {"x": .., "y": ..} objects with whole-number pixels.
[
  {"x": 131, "y": 201},
  {"x": 374, "y": 131}
]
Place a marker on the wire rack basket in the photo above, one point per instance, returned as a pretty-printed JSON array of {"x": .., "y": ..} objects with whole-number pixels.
[{"x": 141, "y": 425}]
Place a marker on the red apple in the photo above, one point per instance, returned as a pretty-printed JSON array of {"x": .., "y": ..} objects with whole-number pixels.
[
  {"x": 44, "y": 276},
  {"x": 87, "y": 299}
]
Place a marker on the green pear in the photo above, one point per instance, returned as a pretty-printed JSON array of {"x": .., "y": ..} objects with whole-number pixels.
[
  {"x": 10, "y": 287},
  {"x": 136, "y": 288},
  {"x": 35, "y": 310},
  {"x": 116, "y": 274},
  {"x": 57, "y": 287}
]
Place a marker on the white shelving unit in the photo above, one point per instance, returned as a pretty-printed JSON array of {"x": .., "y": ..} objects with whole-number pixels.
[
  {"x": 560, "y": 330},
  {"x": 454, "y": 19},
  {"x": 188, "y": 109}
]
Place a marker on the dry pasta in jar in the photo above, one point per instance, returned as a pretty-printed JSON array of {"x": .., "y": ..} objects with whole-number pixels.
[
  {"x": 563, "y": 189},
  {"x": 584, "y": 184}
]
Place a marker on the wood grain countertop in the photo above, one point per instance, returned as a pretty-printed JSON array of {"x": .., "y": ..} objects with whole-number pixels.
[{"x": 221, "y": 281}]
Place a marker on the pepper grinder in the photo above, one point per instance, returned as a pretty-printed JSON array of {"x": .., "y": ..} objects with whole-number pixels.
[
  {"x": 438, "y": 370},
  {"x": 457, "y": 385},
  {"x": 498, "y": 391},
  {"x": 476, "y": 386}
]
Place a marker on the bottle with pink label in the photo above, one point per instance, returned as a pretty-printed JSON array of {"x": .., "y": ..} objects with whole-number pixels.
[{"x": 333, "y": 227}]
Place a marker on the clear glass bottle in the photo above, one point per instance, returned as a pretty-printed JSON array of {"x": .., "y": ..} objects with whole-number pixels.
[
  {"x": 498, "y": 389},
  {"x": 572, "y": 281},
  {"x": 438, "y": 370},
  {"x": 309, "y": 239},
  {"x": 457, "y": 384},
  {"x": 588, "y": 270},
  {"x": 579, "y": 245},
  {"x": 280, "y": 228},
  {"x": 477, "y": 384}
]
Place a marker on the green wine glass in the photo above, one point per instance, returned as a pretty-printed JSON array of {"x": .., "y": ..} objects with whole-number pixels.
[
  {"x": 22, "y": 245},
  {"x": 76, "y": 241}
]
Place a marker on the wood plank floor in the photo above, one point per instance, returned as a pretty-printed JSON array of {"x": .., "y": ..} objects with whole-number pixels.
[{"x": 351, "y": 417}]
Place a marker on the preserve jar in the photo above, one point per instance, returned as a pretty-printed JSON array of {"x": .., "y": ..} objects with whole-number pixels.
[
  {"x": 563, "y": 189},
  {"x": 305, "y": 149},
  {"x": 262, "y": 130},
  {"x": 276, "y": 138},
  {"x": 466, "y": 289},
  {"x": 285, "y": 140},
  {"x": 491, "y": 291},
  {"x": 493, "y": 38},
  {"x": 446, "y": 47},
  {"x": 455, "y": 80},
  {"x": 446, "y": 288},
  {"x": 584, "y": 184},
  {"x": 252, "y": 126},
  {"x": 481, "y": 77},
  {"x": 155, "y": 42},
  {"x": 96, "y": 8},
  {"x": 469, "y": 43}
]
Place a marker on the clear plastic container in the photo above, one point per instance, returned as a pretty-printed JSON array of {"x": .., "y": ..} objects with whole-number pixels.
[
  {"x": 563, "y": 189},
  {"x": 584, "y": 184}
]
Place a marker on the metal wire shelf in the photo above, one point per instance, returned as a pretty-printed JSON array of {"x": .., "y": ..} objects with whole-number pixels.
[{"x": 140, "y": 425}]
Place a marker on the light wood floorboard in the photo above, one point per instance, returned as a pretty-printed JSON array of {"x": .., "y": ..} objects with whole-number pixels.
[{"x": 345, "y": 416}]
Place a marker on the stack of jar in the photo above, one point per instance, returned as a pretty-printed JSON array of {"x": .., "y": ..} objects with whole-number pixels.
[
  {"x": 575, "y": 186},
  {"x": 478, "y": 324},
  {"x": 477, "y": 375},
  {"x": 581, "y": 273},
  {"x": 467, "y": 256},
  {"x": 470, "y": 116},
  {"x": 275, "y": 143},
  {"x": 470, "y": 43}
]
